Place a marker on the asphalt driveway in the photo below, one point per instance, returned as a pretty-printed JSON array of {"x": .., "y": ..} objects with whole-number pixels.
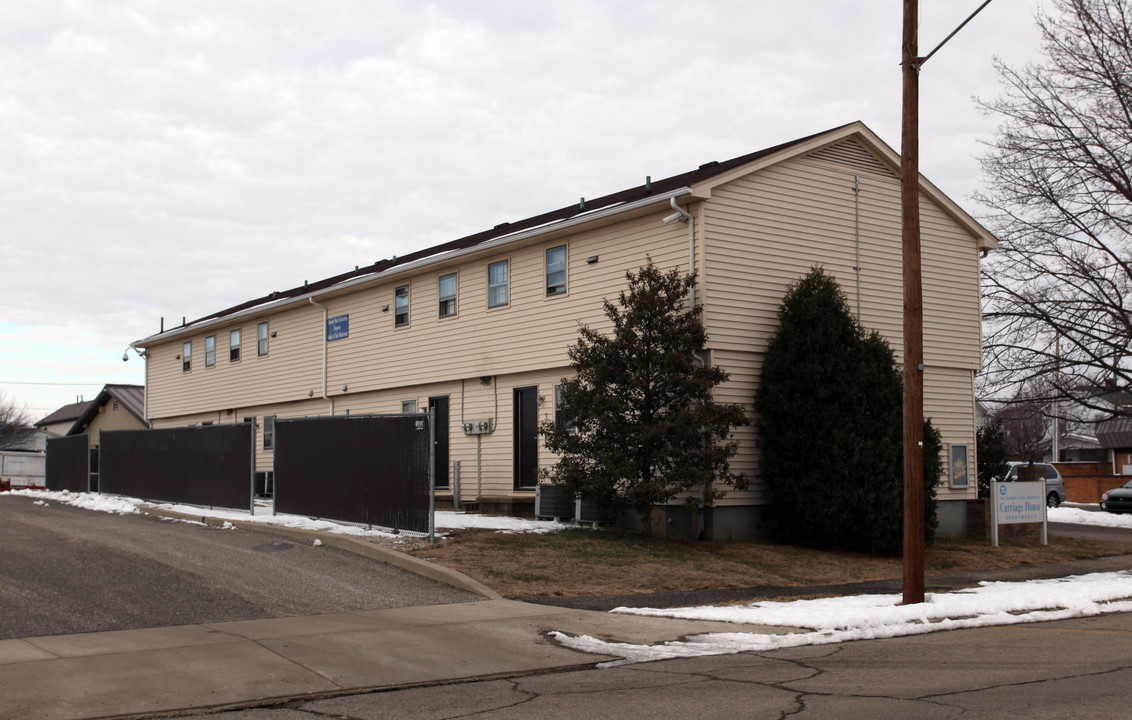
[{"x": 65, "y": 570}]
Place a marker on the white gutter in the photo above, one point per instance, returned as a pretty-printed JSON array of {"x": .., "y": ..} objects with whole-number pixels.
[
  {"x": 423, "y": 262},
  {"x": 325, "y": 344},
  {"x": 687, "y": 217}
]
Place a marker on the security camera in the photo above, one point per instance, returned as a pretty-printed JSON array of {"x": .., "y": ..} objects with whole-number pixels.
[{"x": 125, "y": 357}]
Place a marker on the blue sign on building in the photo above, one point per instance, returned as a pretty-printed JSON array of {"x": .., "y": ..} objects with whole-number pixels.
[{"x": 338, "y": 327}]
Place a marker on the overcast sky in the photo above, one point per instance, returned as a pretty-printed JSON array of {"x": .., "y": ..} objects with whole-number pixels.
[{"x": 169, "y": 159}]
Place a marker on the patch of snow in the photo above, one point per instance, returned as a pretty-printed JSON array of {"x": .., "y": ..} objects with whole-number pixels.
[
  {"x": 87, "y": 501},
  {"x": 456, "y": 520},
  {"x": 445, "y": 519},
  {"x": 317, "y": 542},
  {"x": 1087, "y": 517},
  {"x": 867, "y": 617}
]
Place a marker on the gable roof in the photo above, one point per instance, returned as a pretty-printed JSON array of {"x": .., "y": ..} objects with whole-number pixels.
[
  {"x": 67, "y": 413},
  {"x": 131, "y": 397},
  {"x": 697, "y": 183}
]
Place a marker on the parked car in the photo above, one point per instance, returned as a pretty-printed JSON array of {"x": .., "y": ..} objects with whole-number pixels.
[
  {"x": 1055, "y": 484},
  {"x": 1118, "y": 500}
]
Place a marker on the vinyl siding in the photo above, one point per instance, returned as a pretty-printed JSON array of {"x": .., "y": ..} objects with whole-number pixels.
[
  {"x": 110, "y": 419},
  {"x": 756, "y": 234},
  {"x": 532, "y": 331},
  {"x": 766, "y": 230}
]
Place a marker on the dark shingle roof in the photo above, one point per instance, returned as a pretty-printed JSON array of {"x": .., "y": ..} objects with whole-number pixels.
[{"x": 67, "y": 413}]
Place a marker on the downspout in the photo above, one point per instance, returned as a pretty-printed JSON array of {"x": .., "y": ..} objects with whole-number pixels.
[
  {"x": 325, "y": 343},
  {"x": 686, "y": 216}
]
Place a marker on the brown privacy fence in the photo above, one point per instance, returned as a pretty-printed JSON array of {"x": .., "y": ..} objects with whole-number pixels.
[
  {"x": 210, "y": 466},
  {"x": 68, "y": 463},
  {"x": 371, "y": 469}
]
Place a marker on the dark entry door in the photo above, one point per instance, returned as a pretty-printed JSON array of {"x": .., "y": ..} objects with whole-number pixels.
[
  {"x": 440, "y": 468},
  {"x": 526, "y": 437}
]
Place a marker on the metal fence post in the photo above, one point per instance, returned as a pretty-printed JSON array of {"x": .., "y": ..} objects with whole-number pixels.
[
  {"x": 251, "y": 472},
  {"x": 432, "y": 477}
]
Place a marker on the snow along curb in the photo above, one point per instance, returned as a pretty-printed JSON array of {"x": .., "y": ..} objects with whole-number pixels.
[{"x": 358, "y": 546}]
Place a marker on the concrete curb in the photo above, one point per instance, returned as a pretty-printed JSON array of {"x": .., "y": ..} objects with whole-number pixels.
[{"x": 359, "y": 546}]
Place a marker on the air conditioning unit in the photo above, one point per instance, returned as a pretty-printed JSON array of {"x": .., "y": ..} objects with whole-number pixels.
[
  {"x": 554, "y": 501},
  {"x": 587, "y": 510}
]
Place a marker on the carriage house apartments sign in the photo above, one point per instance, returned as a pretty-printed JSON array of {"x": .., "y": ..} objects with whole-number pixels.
[{"x": 1017, "y": 502}]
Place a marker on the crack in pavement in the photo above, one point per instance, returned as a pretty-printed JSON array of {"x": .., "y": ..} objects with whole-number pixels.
[{"x": 1021, "y": 683}]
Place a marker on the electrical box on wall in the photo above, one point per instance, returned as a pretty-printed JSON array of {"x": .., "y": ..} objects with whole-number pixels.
[{"x": 478, "y": 427}]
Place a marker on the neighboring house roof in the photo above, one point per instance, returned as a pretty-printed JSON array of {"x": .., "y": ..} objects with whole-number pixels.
[
  {"x": 1115, "y": 432},
  {"x": 130, "y": 397},
  {"x": 32, "y": 442},
  {"x": 67, "y": 413},
  {"x": 696, "y": 183}
]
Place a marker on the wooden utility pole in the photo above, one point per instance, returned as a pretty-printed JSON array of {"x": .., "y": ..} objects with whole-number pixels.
[{"x": 913, "y": 314}]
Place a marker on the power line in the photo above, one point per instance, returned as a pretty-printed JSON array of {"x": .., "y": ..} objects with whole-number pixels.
[{"x": 53, "y": 384}]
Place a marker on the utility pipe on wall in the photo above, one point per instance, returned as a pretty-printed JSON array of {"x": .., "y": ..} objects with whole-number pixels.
[
  {"x": 325, "y": 343},
  {"x": 685, "y": 216}
]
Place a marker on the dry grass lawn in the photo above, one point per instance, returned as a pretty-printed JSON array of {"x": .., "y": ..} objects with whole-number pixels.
[{"x": 611, "y": 562}]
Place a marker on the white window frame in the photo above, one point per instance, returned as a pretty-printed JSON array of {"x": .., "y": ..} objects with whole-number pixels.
[
  {"x": 268, "y": 432},
  {"x": 504, "y": 286},
  {"x": 558, "y": 288},
  {"x": 210, "y": 351},
  {"x": 262, "y": 334},
  {"x": 408, "y": 407},
  {"x": 187, "y": 356},
  {"x": 397, "y": 305},
  {"x": 234, "y": 339},
  {"x": 446, "y": 307}
]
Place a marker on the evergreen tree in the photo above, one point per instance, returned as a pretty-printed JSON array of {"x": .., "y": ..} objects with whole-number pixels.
[
  {"x": 637, "y": 425},
  {"x": 990, "y": 447},
  {"x": 831, "y": 422}
]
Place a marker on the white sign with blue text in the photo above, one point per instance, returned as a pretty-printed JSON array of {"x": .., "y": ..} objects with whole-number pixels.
[{"x": 1017, "y": 502}]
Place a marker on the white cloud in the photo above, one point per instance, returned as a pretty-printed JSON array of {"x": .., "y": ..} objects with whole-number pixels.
[{"x": 177, "y": 158}]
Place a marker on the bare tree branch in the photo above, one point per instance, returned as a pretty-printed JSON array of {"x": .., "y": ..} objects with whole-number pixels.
[{"x": 1057, "y": 294}]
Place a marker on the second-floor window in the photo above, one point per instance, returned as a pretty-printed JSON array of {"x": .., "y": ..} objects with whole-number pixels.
[
  {"x": 234, "y": 346},
  {"x": 401, "y": 306},
  {"x": 268, "y": 432},
  {"x": 447, "y": 287},
  {"x": 556, "y": 271},
  {"x": 261, "y": 338},
  {"x": 187, "y": 356},
  {"x": 210, "y": 351},
  {"x": 497, "y": 283}
]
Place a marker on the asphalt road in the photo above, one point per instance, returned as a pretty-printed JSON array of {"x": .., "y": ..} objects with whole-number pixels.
[
  {"x": 1067, "y": 669},
  {"x": 65, "y": 570}
]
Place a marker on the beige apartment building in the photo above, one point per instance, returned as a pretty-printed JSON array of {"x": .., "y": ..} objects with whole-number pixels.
[{"x": 478, "y": 328}]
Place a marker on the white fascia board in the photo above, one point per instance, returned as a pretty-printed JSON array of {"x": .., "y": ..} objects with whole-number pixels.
[{"x": 527, "y": 234}]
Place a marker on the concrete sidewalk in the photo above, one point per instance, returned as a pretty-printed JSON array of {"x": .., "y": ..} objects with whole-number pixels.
[
  {"x": 254, "y": 662},
  {"x": 138, "y": 672},
  {"x": 258, "y": 662}
]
